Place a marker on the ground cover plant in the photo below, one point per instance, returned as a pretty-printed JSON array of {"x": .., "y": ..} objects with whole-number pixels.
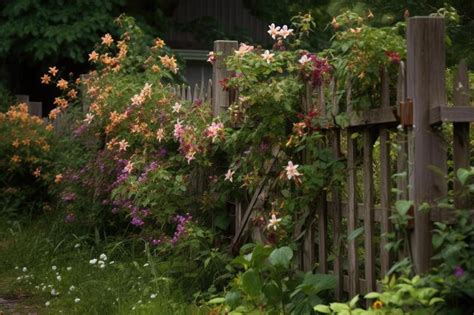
[{"x": 110, "y": 220}]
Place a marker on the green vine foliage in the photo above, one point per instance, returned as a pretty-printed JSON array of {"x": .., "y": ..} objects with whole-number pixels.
[{"x": 53, "y": 29}]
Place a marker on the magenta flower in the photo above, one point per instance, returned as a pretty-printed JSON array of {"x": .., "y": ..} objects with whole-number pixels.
[{"x": 458, "y": 272}]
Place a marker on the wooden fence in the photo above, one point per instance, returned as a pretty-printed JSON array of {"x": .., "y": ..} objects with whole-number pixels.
[{"x": 409, "y": 139}]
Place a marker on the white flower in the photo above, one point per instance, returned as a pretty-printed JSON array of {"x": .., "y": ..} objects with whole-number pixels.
[
  {"x": 16, "y": 268},
  {"x": 102, "y": 266},
  {"x": 146, "y": 265},
  {"x": 112, "y": 262},
  {"x": 47, "y": 304},
  {"x": 77, "y": 300},
  {"x": 24, "y": 269},
  {"x": 59, "y": 278},
  {"x": 176, "y": 107},
  {"x": 72, "y": 288},
  {"x": 152, "y": 296},
  {"x": 291, "y": 170},
  {"x": 273, "y": 222},
  {"x": 93, "y": 261},
  {"x": 54, "y": 268},
  {"x": 285, "y": 31},
  {"x": 54, "y": 292},
  {"x": 88, "y": 121},
  {"x": 211, "y": 57},
  {"x": 229, "y": 174},
  {"x": 267, "y": 56},
  {"x": 101, "y": 262},
  {"x": 273, "y": 30},
  {"x": 77, "y": 245},
  {"x": 103, "y": 257},
  {"x": 69, "y": 268},
  {"x": 304, "y": 60}
]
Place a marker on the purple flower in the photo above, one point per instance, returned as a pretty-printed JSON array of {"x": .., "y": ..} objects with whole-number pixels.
[
  {"x": 70, "y": 217},
  {"x": 80, "y": 130},
  {"x": 137, "y": 221},
  {"x": 70, "y": 196},
  {"x": 458, "y": 272}
]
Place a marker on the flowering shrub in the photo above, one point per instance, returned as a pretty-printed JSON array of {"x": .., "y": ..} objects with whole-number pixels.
[
  {"x": 26, "y": 159},
  {"x": 140, "y": 142}
]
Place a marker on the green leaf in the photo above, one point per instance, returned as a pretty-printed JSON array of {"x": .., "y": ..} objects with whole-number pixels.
[
  {"x": 316, "y": 283},
  {"x": 354, "y": 301},
  {"x": 322, "y": 309},
  {"x": 251, "y": 283},
  {"x": 339, "y": 307},
  {"x": 403, "y": 206},
  {"x": 272, "y": 292},
  {"x": 463, "y": 174},
  {"x": 218, "y": 300},
  {"x": 232, "y": 299},
  {"x": 356, "y": 233},
  {"x": 372, "y": 295},
  {"x": 281, "y": 257}
]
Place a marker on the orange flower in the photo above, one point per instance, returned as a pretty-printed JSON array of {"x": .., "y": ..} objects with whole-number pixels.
[
  {"x": 53, "y": 71},
  {"x": 170, "y": 63},
  {"x": 16, "y": 143},
  {"x": 54, "y": 113},
  {"x": 49, "y": 127},
  {"x": 377, "y": 305},
  {"x": 26, "y": 141},
  {"x": 45, "y": 79},
  {"x": 61, "y": 102},
  {"x": 159, "y": 43},
  {"x": 15, "y": 159},
  {"x": 72, "y": 93},
  {"x": 155, "y": 68},
  {"x": 37, "y": 172},
  {"x": 93, "y": 56},
  {"x": 107, "y": 39},
  {"x": 58, "y": 178},
  {"x": 62, "y": 84}
]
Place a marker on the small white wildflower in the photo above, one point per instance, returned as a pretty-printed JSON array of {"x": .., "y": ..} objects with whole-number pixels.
[
  {"x": 101, "y": 262},
  {"x": 19, "y": 278},
  {"x": 72, "y": 288},
  {"x": 37, "y": 287},
  {"x": 139, "y": 302},
  {"x": 92, "y": 261},
  {"x": 112, "y": 262},
  {"x": 103, "y": 257},
  {"x": 102, "y": 266},
  {"x": 16, "y": 268},
  {"x": 273, "y": 222},
  {"x": 77, "y": 245},
  {"x": 69, "y": 268},
  {"x": 24, "y": 269},
  {"x": 47, "y": 303},
  {"x": 54, "y": 292},
  {"x": 54, "y": 268},
  {"x": 153, "y": 296},
  {"x": 59, "y": 278},
  {"x": 77, "y": 300},
  {"x": 146, "y": 265}
]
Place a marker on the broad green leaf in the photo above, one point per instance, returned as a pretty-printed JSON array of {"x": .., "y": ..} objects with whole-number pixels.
[
  {"x": 232, "y": 299},
  {"x": 339, "y": 307},
  {"x": 218, "y": 300},
  {"x": 251, "y": 283},
  {"x": 372, "y": 295},
  {"x": 281, "y": 257},
  {"x": 322, "y": 309},
  {"x": 403, "y": 206}
]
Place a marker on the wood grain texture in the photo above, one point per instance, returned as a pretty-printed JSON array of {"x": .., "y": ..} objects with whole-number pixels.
[
  {"x": 426, "y": 87},
  {"x": 220, "y": 98},
  {"x": 368, "y": 179}
]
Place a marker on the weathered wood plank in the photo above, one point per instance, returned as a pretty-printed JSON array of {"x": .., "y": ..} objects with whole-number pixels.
[
  {"x": 220, "y": 98},
  {"x": 337, "y": 217},
  {"x": 385, "y": 227},
  {"x": 461, "y": 148},
  {"x": 402, "y": 139},
  {"x": 368, "y": 179},
  {"x": 308, "y": 247},
  {"x": 352, "y": 213},
  {"x": 322, "y": 234},
  {"x": 458, "y": 114},
  {"x": 426, "y": 87}
]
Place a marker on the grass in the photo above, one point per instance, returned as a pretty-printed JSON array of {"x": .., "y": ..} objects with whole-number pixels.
[{"x": 50, "y": 266}]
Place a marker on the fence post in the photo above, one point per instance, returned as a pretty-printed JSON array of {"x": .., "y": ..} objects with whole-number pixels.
[
  {"x": 220, "y": 98},
  {"x": 426, "y": 87}
]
